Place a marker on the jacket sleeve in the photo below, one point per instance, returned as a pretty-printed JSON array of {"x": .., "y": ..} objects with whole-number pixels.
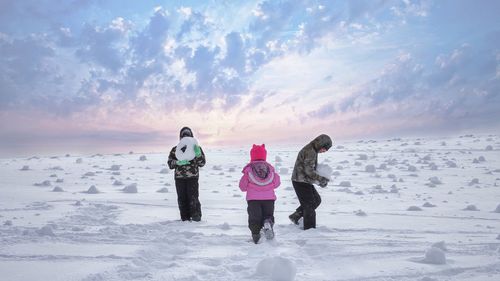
[
  {"x": 172, "y": 159},
  {"x": 244, "y": 182},
  {"x": 200, "y": 161},
  {"x": 309, "y": 163}
]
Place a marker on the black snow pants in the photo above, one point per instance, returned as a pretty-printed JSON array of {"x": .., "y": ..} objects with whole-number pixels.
[
  {"x": 187, "y": 198},
  {"x": 309, "y": 200},
  {"x": 258, "y": 212}
]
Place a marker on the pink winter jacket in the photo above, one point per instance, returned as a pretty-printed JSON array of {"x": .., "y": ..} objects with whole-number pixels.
[{"x": 259, "y": 181}]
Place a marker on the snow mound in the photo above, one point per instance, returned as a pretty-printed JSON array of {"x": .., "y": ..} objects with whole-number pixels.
[
  {"x": 428, "y": 205},
  {"x": 45, "y": 231},
  {"x": 345, "y": 184},
  {"x": 360, "y": 213},
  {"x": 277, "y": 269},
  {"x": 451, "y": 164},
  {"x": 412, "y": 168},
  {"x": 164, "y": 171},
  {"x": 115, "y": 167},
  {"x": 44, "y": 183},
  {"x": 93, "y": 190},
  {"x": 435, "y": 180},
  {"x": 362, "y": 157},
  {"x": 225, "y": 226},
  {"x": 471, "y": 208},
  {"x": 474, "y": 181},
  {"x": 25, "y": 168},
  {"x": 278, "y": 159},
  {"x": 143, "y": 158},
  {"x": 283, "y": 171},
  {"x": 57, "y": 189},
  {"x": 434, "y": 256},
  {"x": 217, "y": 168},
  {"x": 117, "y": 183},
  {"x": 56, "y": 168},
  {"x": 131, "y": 188},
  {"x": 79, "y": 161},
  {"x": 162, "y": 190},
  {"x": 89, "y": 174},
  {"x": 185, "y": 149},
  {"x": 440, "y": 245},
  {"x": 489, "y": 148},
  {"x": 370, "y": 168},
  {"x": 414, "y": 208},
  {"x": 7, "y": 223},
  {"x": 497, "y": 210},
  {"x": 324, "y": 170}
]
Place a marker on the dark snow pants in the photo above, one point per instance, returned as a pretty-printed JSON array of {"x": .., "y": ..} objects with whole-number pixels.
[
  {"x": 309, "y": 200},
  {"x": 187, "y": 198},
  {"x": 258, "y": 212}
]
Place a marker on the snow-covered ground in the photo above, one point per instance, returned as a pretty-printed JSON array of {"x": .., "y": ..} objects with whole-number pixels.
[{"x": 400, "y": 209}]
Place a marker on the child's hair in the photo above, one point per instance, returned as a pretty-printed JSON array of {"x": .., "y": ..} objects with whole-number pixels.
[{"x": 258, "y": 152}]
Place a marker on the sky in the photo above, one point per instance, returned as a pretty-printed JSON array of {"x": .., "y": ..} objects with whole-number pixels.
[{"x": 102, "y": 75}]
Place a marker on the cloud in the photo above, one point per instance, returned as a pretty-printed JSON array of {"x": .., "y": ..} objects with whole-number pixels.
[
  {"x": 120, "y": 59},
  {"x": 235, "y": 53},
  {"x": 101, "y": 46},
  {"x": 323, "y": 112},
  {"x": 272, "y": 19},
  {"x": 24, "y": 67},
  {"x": 461, "y": 86},
  {"x": 148, "y": 43}
]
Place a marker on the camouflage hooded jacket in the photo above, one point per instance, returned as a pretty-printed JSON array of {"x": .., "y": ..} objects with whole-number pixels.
[
  {"x": 307, "y": 160},
  {"x": 190, "y": 170}
]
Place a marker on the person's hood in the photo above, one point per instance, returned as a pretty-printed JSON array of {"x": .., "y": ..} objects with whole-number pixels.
[
  {"x": 185, "y": 132},
  {"x": 259, "y": 172},
  {"x": 322, "y": 141}
]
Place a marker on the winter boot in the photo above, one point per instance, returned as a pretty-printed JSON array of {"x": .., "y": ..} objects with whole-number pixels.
[
  {"x": 268, "y": 229},
  {"x": 295, "y": 217},
  {"x": 256, "y": 237}
]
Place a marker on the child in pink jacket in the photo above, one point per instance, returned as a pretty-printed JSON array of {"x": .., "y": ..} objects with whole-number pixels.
[{"x": 259, "y": 181}]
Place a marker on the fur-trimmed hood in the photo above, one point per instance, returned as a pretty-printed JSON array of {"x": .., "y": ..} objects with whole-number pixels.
[{"x": 259, "y": 172}]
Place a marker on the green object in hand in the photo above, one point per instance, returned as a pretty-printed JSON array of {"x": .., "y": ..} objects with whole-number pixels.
[
  {"x": 197, "y": 150},
  {"x": 182, "y": 162}
]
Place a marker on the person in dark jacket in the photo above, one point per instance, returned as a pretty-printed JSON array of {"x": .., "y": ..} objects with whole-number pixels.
[
  {"x": 186, "y": 179},
  {"x": 304, "y": 176}
]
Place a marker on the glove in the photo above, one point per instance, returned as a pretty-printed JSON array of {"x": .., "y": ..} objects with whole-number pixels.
[
  {"x": 323, "y": 182},
  {"x": 182, "y": 162},
  {"x": 197, "y": 151}
]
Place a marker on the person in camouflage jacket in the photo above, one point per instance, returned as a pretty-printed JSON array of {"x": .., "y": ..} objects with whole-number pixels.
[
  {"x": 186, "y": 180},
  {"x": 304, "y": 176}
]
